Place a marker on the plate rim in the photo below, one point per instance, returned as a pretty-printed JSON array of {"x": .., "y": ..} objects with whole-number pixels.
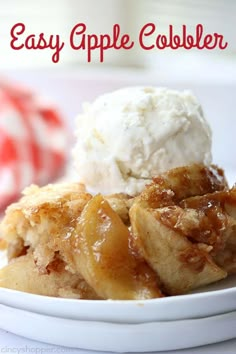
[
  {"x": 166, "y": 299},
  {"x": 122, "y": 330}
]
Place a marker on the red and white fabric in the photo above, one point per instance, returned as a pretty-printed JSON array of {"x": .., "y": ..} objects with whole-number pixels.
[{"x": 33, "y": 141}]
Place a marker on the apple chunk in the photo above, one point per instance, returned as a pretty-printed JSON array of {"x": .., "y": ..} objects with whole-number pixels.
[
  {"x": 180, "y": 264},
  {"x": 105, "y": 256}
]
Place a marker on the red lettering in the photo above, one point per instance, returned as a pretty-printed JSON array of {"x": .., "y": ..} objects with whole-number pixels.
[
  {"x": 30, "y": 42},
  {"x": 14, "y": 32},
  {"x": 208, "y": 40},
  {"x": 148, "y": 40},
  {"x": 176, "y": 42},
  {"x": 143, "y": 33},
  {"x": 221, "y": 38},
  {"x": 187, "y": 41},
  {"x": 105, "y": 44},
  {"x": 92, "y": 41},
  {"x": 33, "y": 42},
  {"x": 102, "y": 42},
  {"x": 174, "y": 39},
  {"x": 81, "y": 27},
  {"x": 105, "y": 41},
  {"x": 57, "y": 46},
  {"x": 161, "y": 42},
  {"x": 199, "y": 32},
  {"x": 42, "y": 41},
  {"x": 125, "y": 42},
  {"x": 116, "y": 34}
]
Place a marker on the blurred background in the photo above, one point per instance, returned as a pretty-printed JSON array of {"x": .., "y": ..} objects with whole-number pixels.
[{"x": 211, "y": 75}]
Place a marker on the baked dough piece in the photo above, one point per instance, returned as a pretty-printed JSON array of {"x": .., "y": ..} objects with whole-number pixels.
[
  {"x": 22, "y": 274},
  {"x": 43, "y": 221},
  {"x": 121, "y": 204},
  {"x": 37, "y": 230}
]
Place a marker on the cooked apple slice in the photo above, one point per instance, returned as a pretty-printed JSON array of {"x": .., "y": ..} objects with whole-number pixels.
[
  {"x": 22, "y": 274},
  {"x": 105, "y": 257},
  {"x": 180, "y": 264}
]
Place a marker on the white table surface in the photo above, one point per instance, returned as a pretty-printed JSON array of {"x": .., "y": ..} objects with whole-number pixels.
[{"x": 9, "y": 343}]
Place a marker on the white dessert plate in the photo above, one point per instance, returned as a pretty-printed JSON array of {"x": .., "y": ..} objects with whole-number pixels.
[
  {"x": 145, "y": 337},
  {"x": 215, "y": 299}
]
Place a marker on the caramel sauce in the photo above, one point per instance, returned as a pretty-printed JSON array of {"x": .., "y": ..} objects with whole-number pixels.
[
  {"x": 192, "y": 180},
  {"x": 124, "y": 260},
  {"x": 57, "y": 264},
  {"x": 192, "y": 200}
]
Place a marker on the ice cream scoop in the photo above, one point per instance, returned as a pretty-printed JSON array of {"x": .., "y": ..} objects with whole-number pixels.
[{"x": 126, "y": 137}]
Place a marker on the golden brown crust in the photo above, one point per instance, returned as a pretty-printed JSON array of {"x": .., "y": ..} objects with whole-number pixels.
[{"x": 183, "y": 182}]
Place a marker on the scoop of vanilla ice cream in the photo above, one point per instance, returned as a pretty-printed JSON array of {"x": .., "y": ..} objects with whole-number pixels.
[{"x": 126, "y": 137}]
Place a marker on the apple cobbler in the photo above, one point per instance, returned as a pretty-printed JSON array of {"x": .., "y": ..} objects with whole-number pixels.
[{"x": 177, "y": 235}]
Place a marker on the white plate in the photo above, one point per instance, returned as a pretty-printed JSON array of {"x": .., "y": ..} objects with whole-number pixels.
[
  {"x": 146, "y": 337},
  {"x": 208, "y": 302},
  {"x": 166, "y": 309}
]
